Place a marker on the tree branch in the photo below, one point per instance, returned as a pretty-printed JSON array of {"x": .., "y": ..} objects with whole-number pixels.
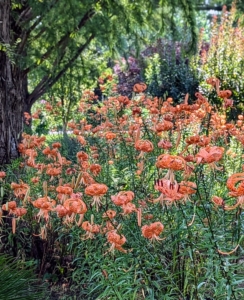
[
  {"x": 24, "y": 14},
  {"x": 71, "y": 61},
  {"x": 49, "y": 81},
  {"x": 26, "y": 33},
  {"x": 62, "y": 43}
]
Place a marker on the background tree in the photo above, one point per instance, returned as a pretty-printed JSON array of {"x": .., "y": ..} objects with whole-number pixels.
[
  {"x": 47, "y": 37},
  {"x": 65, "y": 94}
]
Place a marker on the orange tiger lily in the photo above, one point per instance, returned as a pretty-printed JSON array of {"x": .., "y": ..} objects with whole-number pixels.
[
  {"x": 122, "y": 198},
  {"x": 96, "y": 190},
  {"x": 170, "y": 191},
  {"x": 209, "y": 154},
  {"x": 91, "y": 229},
  {"x": 116, "y": 240},
  {"x": 139, "y": 87},
  {"x": 144, "y": 146},
  {"x": 173, "y": 162},
  {"x": 153, "y": 231}
]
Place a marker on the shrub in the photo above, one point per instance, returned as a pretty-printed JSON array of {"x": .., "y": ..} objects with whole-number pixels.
[
  {"x": 163, "y": 66},
  {"x": 223, "y": 59},
  {"x": 168, "y": 71}
]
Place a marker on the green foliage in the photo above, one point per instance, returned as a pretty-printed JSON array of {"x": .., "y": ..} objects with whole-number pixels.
[
  {"x": 168, "y": 72},
  {"x": 190, "y": 259},
  {"x": 70, "y": 145},
  {"x": 202, "y": 242},
  {"x": 41, "y": 125},
  {"x": 10, "y": 50},
  {"x": 223, "y": 58},
  {"x": 17, "y": 281},
  {"x": 58, "y": 34}
]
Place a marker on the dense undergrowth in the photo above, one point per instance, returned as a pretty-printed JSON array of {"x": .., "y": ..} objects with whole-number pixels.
[
  {"x": 139, "y": 197},
  {"x": 145, "y": 203}
]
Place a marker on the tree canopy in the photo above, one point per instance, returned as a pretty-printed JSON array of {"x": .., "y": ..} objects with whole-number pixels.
[
  {"x": 48, "y": 36},
  {"x": 41, "y": 39}
]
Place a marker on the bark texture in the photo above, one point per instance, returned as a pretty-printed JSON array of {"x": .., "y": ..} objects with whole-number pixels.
[{"x": 13, "y": 91}]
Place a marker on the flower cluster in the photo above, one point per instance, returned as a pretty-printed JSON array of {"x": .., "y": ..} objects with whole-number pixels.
[{"x": 108, "y": 180}]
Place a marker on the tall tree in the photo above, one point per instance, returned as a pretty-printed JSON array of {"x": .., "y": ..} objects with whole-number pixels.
[{"x": 47, "y": 36}]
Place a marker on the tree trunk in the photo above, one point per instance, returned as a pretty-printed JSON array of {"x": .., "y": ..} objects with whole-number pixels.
[
  {"x": 65, "y": 134},
  {"x": 12, "y": 99},
  {"x": 13, "y": 91}
]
